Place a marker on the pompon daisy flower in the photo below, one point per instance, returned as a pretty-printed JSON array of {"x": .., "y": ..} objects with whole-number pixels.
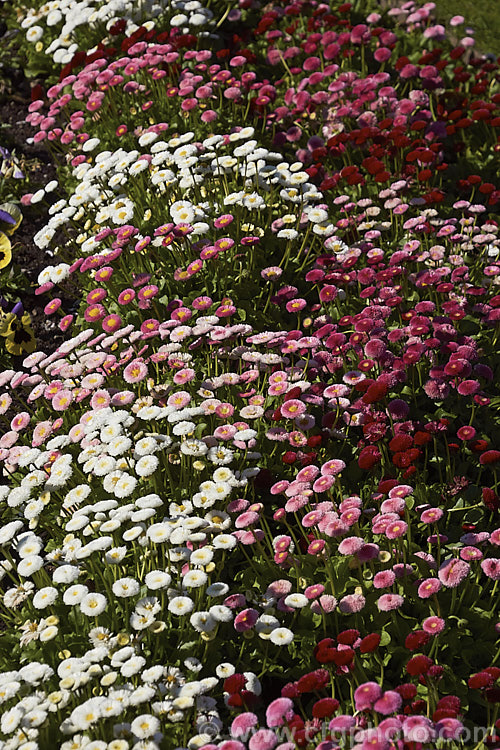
[
  {"x": 157, "y": 579},
  {"x": 125, "y": 587},
  {"x": 181, "y": 605},
  {"x": 45, "y": 597},
  {"x": 145, "y": 726},
  {"x": 194, "y": 579},
  {"x": 146, "y": 466},
  {"x": 93, "y": 604},
  {"x": 281, "y": 636}
]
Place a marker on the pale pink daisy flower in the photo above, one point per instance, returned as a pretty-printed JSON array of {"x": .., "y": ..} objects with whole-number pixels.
[
  {"x": 20, "y": 421},
  {"x": 62, "y": 399},
  {"x": 333, "y": 467},
  {"x": 352, "y": 603},
  {"x": 292, "y": 408},
  {"x": 389, "y": 602},
  {"x": 326, "y": 603},
  {"x": 135, "y": 371}
]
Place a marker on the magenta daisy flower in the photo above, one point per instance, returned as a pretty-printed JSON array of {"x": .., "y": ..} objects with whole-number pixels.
[
  {"x": 52, "y": 306},
  {"x": 389, "y": 703},
  {"x": 223, "y": 244},
  {"x": 126, "y": 296},
  {"x": 466, "y": 433},
  {"x": 111, "y": 323},
  {"x": 223, "y": 221},
  {"x": 428, "y": 587},
  {"x": 103, "y": 274},
  {"x": 93, "y": 313},
  {"x": 202, "y": 303},
  {"x": 366, "y": 695}
]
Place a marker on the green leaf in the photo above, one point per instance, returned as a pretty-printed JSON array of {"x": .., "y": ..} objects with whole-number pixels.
[
  {"x": 200, "y": 429},
  {"x": 385, "y": 638}
]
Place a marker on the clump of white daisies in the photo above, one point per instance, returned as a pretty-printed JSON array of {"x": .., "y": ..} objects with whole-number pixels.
[
  {"x": 61, "y": 27},
  {"x": 117, "y": 532}
]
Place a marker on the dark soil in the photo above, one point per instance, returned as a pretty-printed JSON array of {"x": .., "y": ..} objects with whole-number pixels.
[{"x": 39, "y": 169}]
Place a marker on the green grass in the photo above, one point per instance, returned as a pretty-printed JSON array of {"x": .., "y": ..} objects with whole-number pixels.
[{"x": 481, "y": 15}]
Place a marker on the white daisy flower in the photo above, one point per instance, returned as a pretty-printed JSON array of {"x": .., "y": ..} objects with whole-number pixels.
[
  {"x": 194, "y": 579},
  {"x": 44, "y": 597},
  {"x": 281, "y": 636},
  {"x": 181, "y": 605},
  {"x": 93, "y": 604},
  {"x": 125, "y": 587},
  {"x": 157, "y": 579}
]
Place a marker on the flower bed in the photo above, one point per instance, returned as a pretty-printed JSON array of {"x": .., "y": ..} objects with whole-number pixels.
[{"x": 252, "y": 500}]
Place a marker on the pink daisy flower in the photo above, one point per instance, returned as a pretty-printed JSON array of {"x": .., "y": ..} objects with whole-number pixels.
[
  {"x": 292, "y": 408},
  {"x": 384, "y": 579},
  {"x": 41, "y": 433},
  {"x": 316, "y": 547},
  {"x": 94, "y": 313},
  {"x": 396, "y": 529},
  {"x": 100, "y": 399},
  {"x": 453, "y": 572},
  {"x": 351, "y": 545},
  {"x": 279, "y": 711},
  {"x": 324, "y": 483},
  {"x": 389, "y": 602},
  {"x": 433, "y": 625},
  {"x": 491, "y": 567},
  {"x": 243, "y": 723},
  {"x": 312, "y": 592},
  {"x": 366, "y": 695},
  {"x": 432, "y": 515},
  {"x": 326, "y": 603},
  {"x": 245, "y": 620}
]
